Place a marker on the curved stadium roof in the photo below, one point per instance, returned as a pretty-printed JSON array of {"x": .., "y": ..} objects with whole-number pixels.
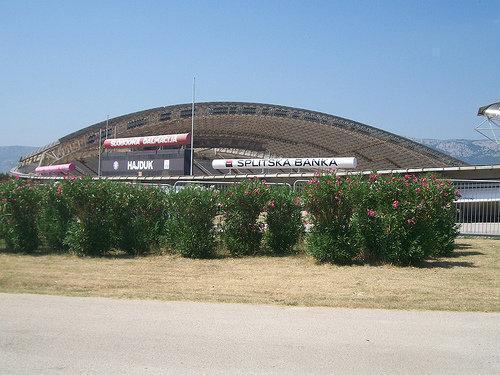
[{"x": 251, "y": 130}]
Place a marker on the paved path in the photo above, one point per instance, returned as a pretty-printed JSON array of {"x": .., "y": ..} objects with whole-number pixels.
[{"x": 68, "y": 335}]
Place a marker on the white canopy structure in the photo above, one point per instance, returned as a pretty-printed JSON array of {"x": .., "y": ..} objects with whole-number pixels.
[{"x": 491, "y": 124}]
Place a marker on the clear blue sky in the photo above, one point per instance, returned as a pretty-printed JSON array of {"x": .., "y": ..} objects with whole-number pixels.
[{"x": 419, "y": 69}]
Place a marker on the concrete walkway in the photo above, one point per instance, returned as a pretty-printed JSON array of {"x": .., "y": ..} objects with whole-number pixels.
[{"x": 70, "y": 335}]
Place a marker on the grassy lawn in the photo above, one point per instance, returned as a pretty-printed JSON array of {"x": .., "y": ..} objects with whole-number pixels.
[{"x": 468, "y": 281}]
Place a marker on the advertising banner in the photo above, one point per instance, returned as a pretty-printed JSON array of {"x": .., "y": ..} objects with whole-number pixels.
[
  {"x": 56, "y": 169},
  {"x": 286, "y": 163},
  {"x": 148, "y": 141},
  {"x": 146, "y": 163}
]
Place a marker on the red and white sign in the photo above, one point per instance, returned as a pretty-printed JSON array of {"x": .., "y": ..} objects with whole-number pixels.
[
  {"x": 149, "y": 141},
  {"x": 286, "y": 163},
  {"x": 56, "y": 169}
]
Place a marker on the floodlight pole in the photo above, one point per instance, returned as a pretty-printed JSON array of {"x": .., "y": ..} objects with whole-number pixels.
[
  {"x": 100, "y": 146},
  {"x": 192, "y": 126},
  {"x": 99, "y": 164}
]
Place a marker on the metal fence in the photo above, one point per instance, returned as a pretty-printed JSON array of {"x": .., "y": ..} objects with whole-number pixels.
[
  {"x": 478, "y": 208},
  {"x": 224, "y": 185}
]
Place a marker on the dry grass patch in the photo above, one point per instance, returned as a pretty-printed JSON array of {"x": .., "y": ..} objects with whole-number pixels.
[{"x": 467, "y": 281}]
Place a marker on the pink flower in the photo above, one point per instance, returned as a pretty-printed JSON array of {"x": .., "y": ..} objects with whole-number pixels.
[
  {"x": 256, "y": 191},
  {"x": 272, "y": 204},
  {"x": 59, "y": 190},
  {"x": 395, "y": 204},
  {"x": 373, "y": 177},
  {"x": 407, "y": 176},
  {"x": 418, "y": 190},
  {"x": 371, "y": 213},
  {"x": 411, "y": 221}
]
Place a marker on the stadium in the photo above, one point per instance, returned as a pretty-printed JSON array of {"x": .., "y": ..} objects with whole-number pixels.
[{"x": 242, "y": 130}]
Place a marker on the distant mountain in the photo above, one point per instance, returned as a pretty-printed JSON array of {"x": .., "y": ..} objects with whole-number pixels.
[
  {"x": 9, "y": 156},
  {"x": 482, "y": 152}
]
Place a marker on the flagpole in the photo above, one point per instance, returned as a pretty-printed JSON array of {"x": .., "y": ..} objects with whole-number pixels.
[{"x": 192, "y": 126}]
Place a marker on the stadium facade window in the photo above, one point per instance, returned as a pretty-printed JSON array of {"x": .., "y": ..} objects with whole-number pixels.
[
  {"x": 91, "y": 139},
  {"x": 186, "y": 113},
  {"x": 249, "y": 110},
  {"x": 219, "y": 111},
  {"x": 311, "y": 118},
  {"x": 233, "y": 110},
  {"x": 295, "y": 115},
  {"x": 266, "y": 111},
  {"x": 106, "y": 133},
  {"x": 280, "y": 113},
  {"x": 165, "y": 116},
  {"x": 136, "y": 123}
]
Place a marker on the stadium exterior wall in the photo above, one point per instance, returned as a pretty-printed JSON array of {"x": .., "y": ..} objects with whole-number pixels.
[{"x": 251, "y": 130}]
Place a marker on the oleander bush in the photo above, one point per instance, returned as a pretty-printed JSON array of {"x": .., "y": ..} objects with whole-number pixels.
[
  {"x": 54, "y": 216},
  {"x": 330, "y": 202},
  {"x": 283, "y": 220},
  {"x": 19, "y": 205},
  {"x": 243, "y": 204},
  {"x": 191, "y": 225},
  {"x": 93, "y": 204},
  {"x": 140, "y": 215},
  {"x": 399, "y": 220}
]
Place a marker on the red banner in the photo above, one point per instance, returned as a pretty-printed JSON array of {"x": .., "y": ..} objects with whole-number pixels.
[{"x": 149, "y": 141}]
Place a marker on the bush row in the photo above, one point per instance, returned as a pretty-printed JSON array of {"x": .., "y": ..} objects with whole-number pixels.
[
  {"x": 88, "y": 217},
  {"x": 399, "y": 220}
]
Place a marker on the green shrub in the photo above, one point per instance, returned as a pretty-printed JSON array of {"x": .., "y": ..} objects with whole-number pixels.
[
  {"x": 329, "y": 201},
  {"x": 93, "y": 204},
  {"x": 19, "y": 204},
  {"x": 139, "y": 215},
  {"x": 54, "y": 216},
  {"x": 284, "y": 220},
  {"x": 399, "y": 220},
  {"x": 193, "y": 211},
  {"x": 417, "y": 218},
  {"x": 441, "y": 212},
  {"x": 243, "y": 204}
]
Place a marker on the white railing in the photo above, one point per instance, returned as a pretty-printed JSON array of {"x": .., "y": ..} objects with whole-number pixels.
[
  {"x": 221, "y": 185},
  {"x": 478, "y": 208}
]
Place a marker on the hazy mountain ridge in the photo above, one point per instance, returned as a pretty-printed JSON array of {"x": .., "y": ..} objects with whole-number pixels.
[
  {"x": 475, "y": 152},
  {"x": 9, "y": 156}
]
